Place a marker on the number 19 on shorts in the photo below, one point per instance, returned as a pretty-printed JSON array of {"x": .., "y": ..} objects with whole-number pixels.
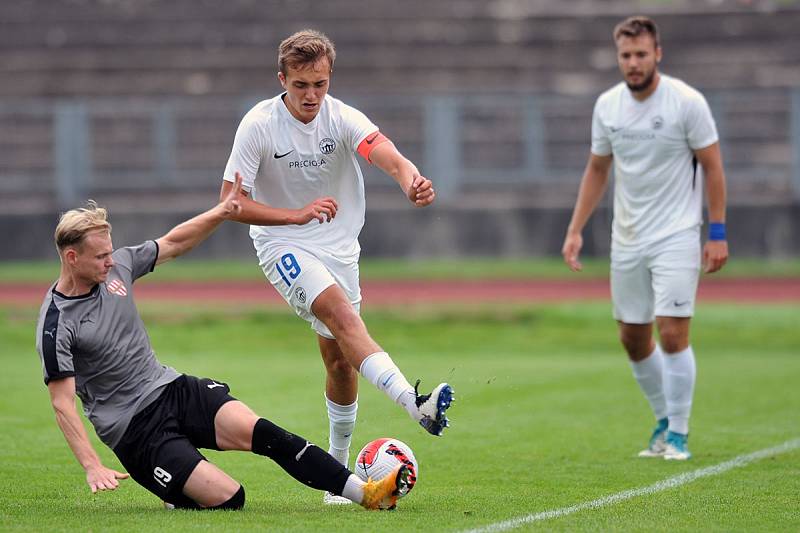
[{"x": 288, "y": 268}]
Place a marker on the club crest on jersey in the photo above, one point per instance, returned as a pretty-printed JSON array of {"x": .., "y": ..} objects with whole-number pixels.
[
  {"x": 327, "y": 145},
  {"x": 657, "y": 122},
  {"x": 115, "y": 286}
]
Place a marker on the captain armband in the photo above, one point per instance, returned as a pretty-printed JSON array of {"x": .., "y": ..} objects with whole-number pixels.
[{"x": 369, "y": 143}]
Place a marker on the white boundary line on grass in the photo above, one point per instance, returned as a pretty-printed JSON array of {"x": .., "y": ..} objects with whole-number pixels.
[{"x": 665, "y": 484}]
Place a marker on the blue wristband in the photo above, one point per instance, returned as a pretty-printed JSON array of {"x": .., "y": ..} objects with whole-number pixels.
[{"x": 716, "y": 231}]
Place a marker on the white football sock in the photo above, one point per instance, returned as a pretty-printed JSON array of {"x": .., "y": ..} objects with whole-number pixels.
[
  {"x": 679, "y": 377},
  {"x": 353, "y": 489},
  {"x": 342, "y": 419},
  {"x": 380, "y": 370},
  {"x": 648, "y": 373}
]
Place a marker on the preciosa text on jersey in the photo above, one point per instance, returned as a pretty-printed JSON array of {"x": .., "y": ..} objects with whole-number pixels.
[{"x": 308, "y": 163}]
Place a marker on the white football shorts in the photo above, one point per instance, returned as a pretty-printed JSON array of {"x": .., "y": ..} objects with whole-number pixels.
[
  {"x": 300, "y": 276},
  {"x": 657, "y": 280}
]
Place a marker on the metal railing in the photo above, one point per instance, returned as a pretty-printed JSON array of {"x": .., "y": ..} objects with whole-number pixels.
[{"x": 72, "y": 149}]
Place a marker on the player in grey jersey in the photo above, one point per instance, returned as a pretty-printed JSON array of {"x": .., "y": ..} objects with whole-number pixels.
[{"x": 93, "y": 343}]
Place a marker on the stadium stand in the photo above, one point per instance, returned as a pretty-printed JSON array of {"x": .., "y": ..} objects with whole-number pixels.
[{"x": 135, "y": 102}]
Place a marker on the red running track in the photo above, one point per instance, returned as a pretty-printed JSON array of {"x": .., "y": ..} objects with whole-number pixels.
[{"x": 383, "y": 293}]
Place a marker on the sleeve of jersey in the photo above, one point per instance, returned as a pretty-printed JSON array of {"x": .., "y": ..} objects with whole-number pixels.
[
  {"x": 701, "y": 131},
  {"x": 601, "y": 144},
  {"x": 369, "y": 143},
  {"x": 248, "y": 149},
  {"x": 139, "y": 260},
  {"x": 362, "y": 135},
  {"x": 54, "y": 346}
]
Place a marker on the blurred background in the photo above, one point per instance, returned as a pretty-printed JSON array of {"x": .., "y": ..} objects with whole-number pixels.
[{"x": 135, "y": 103}]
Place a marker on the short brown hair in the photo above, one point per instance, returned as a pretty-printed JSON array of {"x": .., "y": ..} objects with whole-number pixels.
[
  {"x": 636, "y": 26},
  {"x": 305, "y": 47},
  {"x": 76, "y": 223}
]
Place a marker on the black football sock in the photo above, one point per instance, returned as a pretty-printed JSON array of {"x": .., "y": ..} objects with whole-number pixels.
[{"x": 302, "y": 460}]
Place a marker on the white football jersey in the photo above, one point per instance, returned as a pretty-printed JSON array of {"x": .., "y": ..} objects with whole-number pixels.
[
  {"x": 658, "y": 183},
  {"x": 285, "y": 163}
]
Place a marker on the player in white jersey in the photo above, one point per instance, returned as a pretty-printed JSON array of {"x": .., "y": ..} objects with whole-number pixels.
[
  {"x": 655, "y": 129},
  {"x": 305, "y": 203}
]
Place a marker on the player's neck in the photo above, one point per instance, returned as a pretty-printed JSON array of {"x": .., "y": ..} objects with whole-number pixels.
[
  {"x": 641, "y": 96},
  {"x": 70, "y": 285}
]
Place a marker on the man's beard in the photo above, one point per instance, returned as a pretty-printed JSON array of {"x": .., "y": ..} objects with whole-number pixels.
[{"x": 644, "y": 85}]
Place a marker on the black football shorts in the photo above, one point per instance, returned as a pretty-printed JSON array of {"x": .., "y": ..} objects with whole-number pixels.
[{"x": 159, "y": 448}]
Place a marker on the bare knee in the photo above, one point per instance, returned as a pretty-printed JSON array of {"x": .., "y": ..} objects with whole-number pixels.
[
  {"x": 673, "y": 334},
  {"x": 673, "y": 341},
  {"x": 332, "y": 354},
  {"x": 339, "y": 367},
  {"x": 233, "y": 426},
  {"x": 210, "y": 487},
  {"x": 234, "y": 503},
  {"x": 636, "y": 350},
  {"x": 637, "y": 341}
]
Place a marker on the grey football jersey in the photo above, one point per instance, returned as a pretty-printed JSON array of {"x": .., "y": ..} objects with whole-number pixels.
[{"x": 100, "y": 339}]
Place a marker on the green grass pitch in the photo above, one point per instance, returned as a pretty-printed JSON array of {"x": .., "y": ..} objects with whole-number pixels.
[{"x": 548, "y": 416}]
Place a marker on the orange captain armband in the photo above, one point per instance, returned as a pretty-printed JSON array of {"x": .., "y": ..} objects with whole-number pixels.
[{"x": 369, "y": 143}]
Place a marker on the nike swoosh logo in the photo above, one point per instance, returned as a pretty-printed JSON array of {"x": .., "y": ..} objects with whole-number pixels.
[
  {"x": 278, "y": 156},
  {"x": 372, "y": 138},
  {"x": 613, "y": 129},
  {"x": 680, "y": 304},
  {"x": 387, "y": 379}
]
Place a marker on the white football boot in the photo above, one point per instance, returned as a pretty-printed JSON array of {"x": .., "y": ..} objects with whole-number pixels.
[{"x": 432, "y": 408}]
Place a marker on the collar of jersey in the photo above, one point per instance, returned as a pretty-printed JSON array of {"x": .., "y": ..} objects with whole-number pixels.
[
  {"x": 79, "y": 296},
  {"x": 308, "y": 128}
]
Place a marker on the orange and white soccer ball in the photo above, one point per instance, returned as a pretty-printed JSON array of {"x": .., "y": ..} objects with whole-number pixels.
[{"x": 380, "y": 457}]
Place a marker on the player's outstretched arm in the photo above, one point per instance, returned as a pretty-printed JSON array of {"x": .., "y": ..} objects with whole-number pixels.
[
  {"x": 418, "y": 188},
  {"x": 715, "y": 252},
  {"x": 593, "y": 185},
  {"x": 189, "y": 234},
  {"x": 253, "y": 212},
  {"x": 62, "y": 397}
]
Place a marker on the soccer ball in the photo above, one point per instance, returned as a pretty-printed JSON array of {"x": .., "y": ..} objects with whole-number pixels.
[{"x": 380, "y": 457}]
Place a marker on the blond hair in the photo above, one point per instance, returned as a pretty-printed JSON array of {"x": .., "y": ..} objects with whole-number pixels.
[
  {"x": 305, "y": 47},
  {"x": 75, "y": 224}
]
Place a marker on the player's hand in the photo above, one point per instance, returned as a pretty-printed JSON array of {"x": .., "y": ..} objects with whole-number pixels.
[
  {"x": 571, "y": 249},
  {"x": 321, "y": 209},
  {"x": 421, "y": 192},
  {"x": 715, "y": 255},
  {"x": 232, "y": 203},
  {"x": 102, "y": 478}
]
